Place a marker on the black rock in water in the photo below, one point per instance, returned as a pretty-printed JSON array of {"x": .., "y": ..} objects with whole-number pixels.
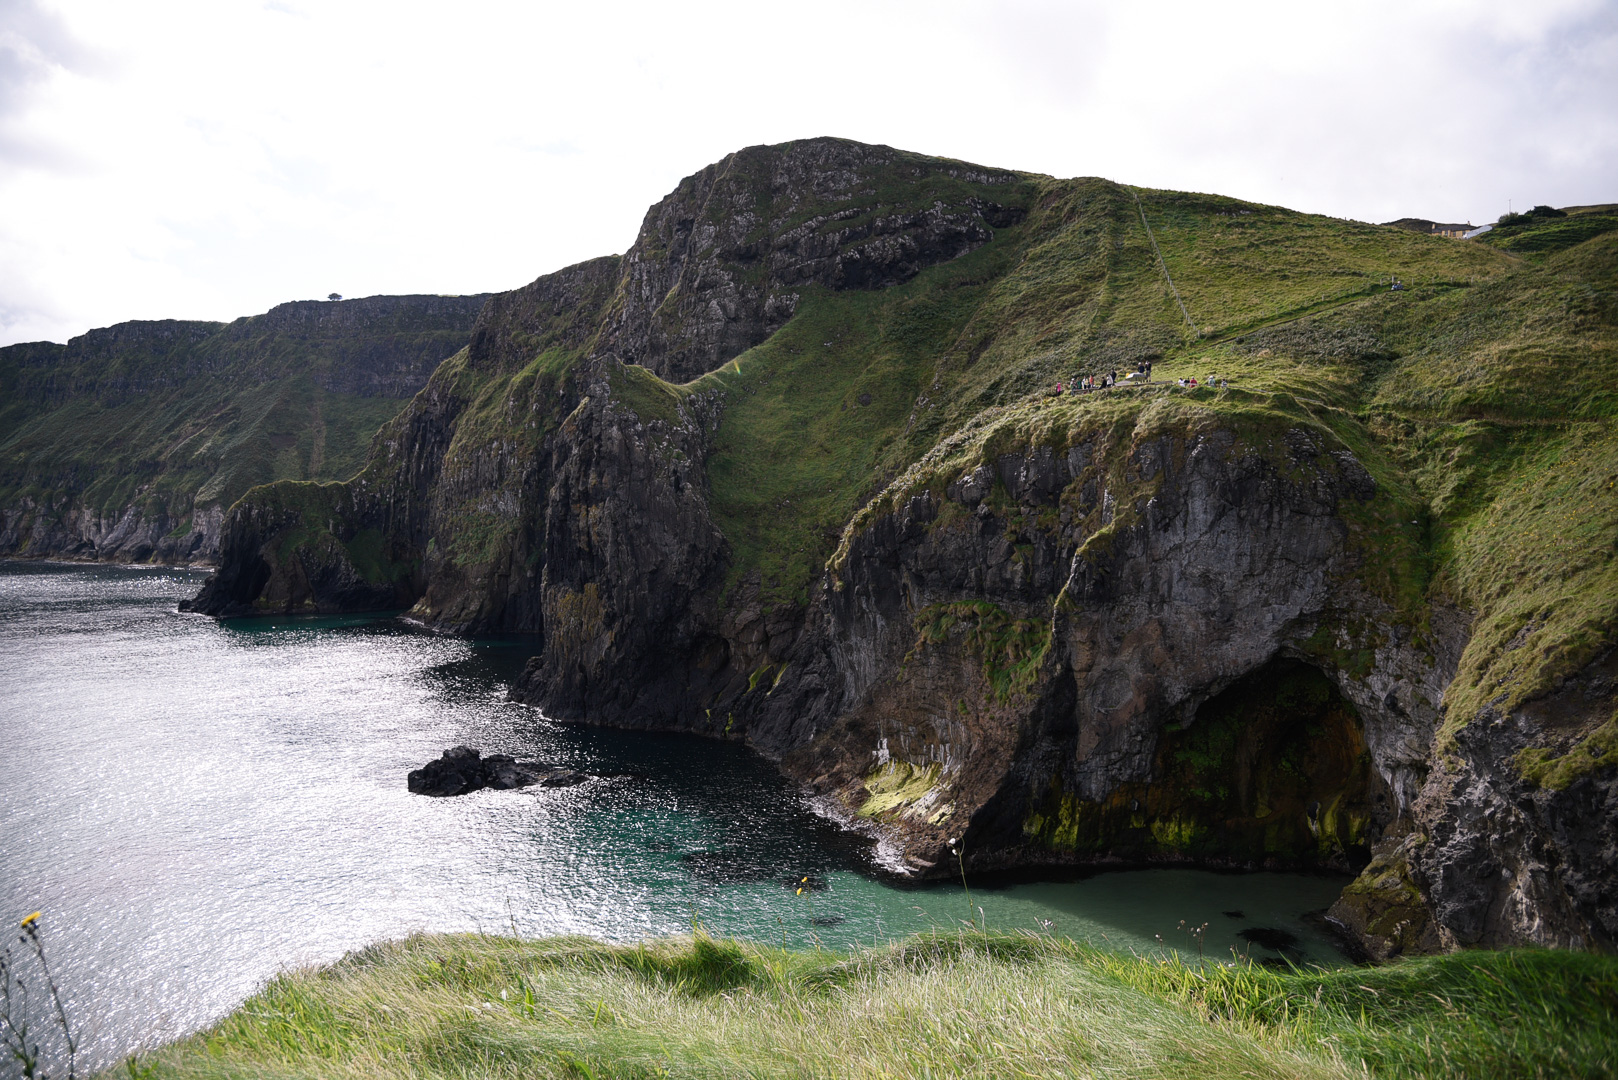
[
  {"x": 563, "y": 778},
  {"x": 458, "y": 771},
  {"x": 462, "y": 769}
]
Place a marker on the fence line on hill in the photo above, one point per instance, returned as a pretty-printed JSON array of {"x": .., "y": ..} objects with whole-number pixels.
[{"x": 1161, "y": 263}]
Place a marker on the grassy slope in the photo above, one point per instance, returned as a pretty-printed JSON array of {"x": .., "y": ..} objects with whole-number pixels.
[
  {"x": 813, "y": 416},
  {"x": 213, "y": 440},
  {"x": 1481, "y": 399},
  {"x": 1530, "y": 235},
  {"x": 947, "y": 1005},
  {"x": 216, "y": 416},
  {"x": 1076, "y": 289},
  {"x": 1502, "y": 410}
]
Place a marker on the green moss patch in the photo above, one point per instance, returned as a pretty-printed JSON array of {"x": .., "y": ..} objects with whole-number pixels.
[
  {"x": 1597, "y": 750},
  {"x": 899, "y": 785},
  {"x": 1011, "y": 650}
]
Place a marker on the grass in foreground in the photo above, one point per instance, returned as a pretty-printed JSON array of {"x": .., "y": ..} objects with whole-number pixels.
[{"x": 948, "y": 1005}]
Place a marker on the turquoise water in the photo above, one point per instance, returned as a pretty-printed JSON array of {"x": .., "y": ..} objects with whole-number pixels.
[{"x": 196, "y": 806}]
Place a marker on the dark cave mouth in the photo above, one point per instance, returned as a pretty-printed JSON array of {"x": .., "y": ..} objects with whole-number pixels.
[{"x": 1272, "y": 772}]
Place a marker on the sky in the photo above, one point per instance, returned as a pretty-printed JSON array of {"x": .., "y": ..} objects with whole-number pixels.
[{"x": 207, "y": 159}]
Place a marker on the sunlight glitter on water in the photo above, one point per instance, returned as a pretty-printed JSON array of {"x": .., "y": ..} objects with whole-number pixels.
[{"x": 198, "y": 805}]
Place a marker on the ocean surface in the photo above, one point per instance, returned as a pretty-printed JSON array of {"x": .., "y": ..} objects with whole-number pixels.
[{"x": 195, "y": 806}]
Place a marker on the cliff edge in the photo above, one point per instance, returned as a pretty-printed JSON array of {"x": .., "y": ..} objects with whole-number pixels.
[{"x": 815, "y": 464}]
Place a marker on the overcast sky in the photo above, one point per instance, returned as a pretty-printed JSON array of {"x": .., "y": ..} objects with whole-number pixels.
[{"x": 209, "y": 159}]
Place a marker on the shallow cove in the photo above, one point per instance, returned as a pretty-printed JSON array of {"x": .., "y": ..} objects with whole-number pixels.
[{"x": 198, "y": 805}]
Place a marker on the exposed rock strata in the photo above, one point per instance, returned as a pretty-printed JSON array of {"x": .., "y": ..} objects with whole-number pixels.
[
  {"x": 1020, "y": 641},
  {"x": 718, "y": 264},
  {"x": 63, "y": 527}
]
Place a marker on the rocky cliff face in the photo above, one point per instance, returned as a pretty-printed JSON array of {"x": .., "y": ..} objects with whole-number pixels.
[
  {"x": 720, "y": 264},
  {"x": 1151, "y": 624},
  {"x": 128, "y": 443},
  {"x": 1023, "y": 644},
  {"x": 61, "y": 526},
  {"x": 1504, "y": 860}
]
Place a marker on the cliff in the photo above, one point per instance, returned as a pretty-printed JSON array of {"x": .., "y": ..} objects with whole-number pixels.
[
  {"x": 794, "y": 470},
  {"x": 129, "y": 442}
]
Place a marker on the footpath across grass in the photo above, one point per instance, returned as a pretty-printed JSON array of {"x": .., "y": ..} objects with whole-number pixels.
[{"x": 947, "y": 1005}]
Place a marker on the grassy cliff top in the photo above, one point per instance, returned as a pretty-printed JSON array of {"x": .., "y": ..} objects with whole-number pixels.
[
  {"x": 1479, "y": 394},
  {"x": 859, "y": 386},
  {"x": 947, "y": 1005},
  {"x": 1475, "y": 382},
  {"x": 178, "y": 414}
]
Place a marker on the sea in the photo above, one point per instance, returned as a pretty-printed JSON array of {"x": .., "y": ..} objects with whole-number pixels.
[{"x": 195, "y": 806}]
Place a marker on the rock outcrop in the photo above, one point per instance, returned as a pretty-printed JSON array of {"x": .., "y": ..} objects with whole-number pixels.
[
  {"x": 461, "y": 769},
  {"x": 1027, "y": 680},
  {"x": 1152, "y": 625},
  {"x": 719, "y": 264}
]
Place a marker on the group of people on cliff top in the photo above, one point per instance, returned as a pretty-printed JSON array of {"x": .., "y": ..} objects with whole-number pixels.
[
  {"x": 1079, "y": 384},
  {"x": 1084, "y": 383}
]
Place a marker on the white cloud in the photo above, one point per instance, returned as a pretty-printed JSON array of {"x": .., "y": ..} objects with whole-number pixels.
[{"x": 209, "y": 158}]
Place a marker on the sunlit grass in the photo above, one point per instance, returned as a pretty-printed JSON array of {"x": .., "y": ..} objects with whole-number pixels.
[{"x": 963, "y": 1004}]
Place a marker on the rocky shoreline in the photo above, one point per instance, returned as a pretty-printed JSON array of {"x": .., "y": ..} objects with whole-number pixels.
[{"x": 1155, "y": 624}]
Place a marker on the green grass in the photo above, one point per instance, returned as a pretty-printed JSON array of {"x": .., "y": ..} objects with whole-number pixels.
[
  {"x": 1534, "y": 234},
  {"x": 814, "y": 419},
  {"x": 1241, "y": 265},
  {"x": 1500, "y": 411},
  {"x": 209, "y": 442},
  {"x": 968, "y": 1004},
  {"x": 174, "y": 424}
]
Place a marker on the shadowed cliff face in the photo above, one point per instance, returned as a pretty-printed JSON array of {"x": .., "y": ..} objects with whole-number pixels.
[
  {"x": 1504, "y": 860},
  {"x": 1036, "y": 635},
  {"x": 1152, "y": 624}
]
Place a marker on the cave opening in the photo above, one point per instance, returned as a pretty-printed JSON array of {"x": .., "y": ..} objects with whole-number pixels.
[{"x": 1271, "y": 771}]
